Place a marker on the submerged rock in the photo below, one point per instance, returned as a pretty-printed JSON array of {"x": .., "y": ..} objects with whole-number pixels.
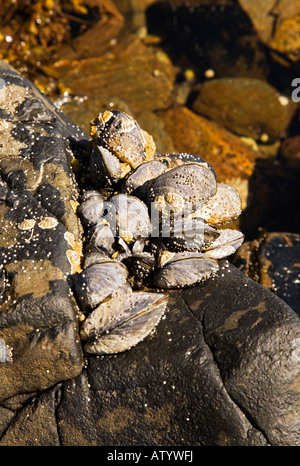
[
  {"x": 277, "y": 25},
  {"x": 247, "y": 107}
]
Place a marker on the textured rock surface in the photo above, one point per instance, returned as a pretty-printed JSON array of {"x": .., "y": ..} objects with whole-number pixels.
[
  {"x": 39, "y": 241},
  {"x": 274, "y": 261},
  {"x": 128, "y": 74},
  {"x": 221, "y": 369},
  {"x": 230, "y": 157}
]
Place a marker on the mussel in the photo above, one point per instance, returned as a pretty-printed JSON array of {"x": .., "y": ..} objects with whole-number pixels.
[
  {"x": 184, "y": 269},
  {"x": 186, "y": 187},
  {"x": 98, "y": 281},
  {"x": 128, "y": 217},
  {"x": 91, "y": 208},
  {"x": 119, "y": 145},
  {"x": 123, "y": 321},
  {"x": 223, "y": 207}
]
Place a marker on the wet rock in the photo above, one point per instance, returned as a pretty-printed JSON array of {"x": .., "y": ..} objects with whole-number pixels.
[
  {"x": 273, "y": 192},
  {"x": 247, "y": 107},
  {"x": 41, "y": 411},
  {"x": 40, "y": 240},
  {"x": 274, "y": 261},
  {"x": 277, "y": 24},
  {"x": 203, "y": 378},
  {"x": 154, "y": 125},
  {"x": 290, "y": 153},
  {"x": 97, "y": 38},
  {"x": 135, "y": 74},
  {"x": 209, "y": 35}
]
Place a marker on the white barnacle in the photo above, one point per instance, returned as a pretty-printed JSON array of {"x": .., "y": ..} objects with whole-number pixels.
[
  {"x": 27, "y": 224},
  {"x": 48, "y": 223}
]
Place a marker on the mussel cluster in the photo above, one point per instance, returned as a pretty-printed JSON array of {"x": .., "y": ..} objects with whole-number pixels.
[{"x": 151, "y": 224}]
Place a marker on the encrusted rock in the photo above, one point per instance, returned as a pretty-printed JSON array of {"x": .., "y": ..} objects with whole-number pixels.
[{"x": 40, "y": 241}]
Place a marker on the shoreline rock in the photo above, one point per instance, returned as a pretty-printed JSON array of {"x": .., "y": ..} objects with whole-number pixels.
[{"x": 220, "y": 369}]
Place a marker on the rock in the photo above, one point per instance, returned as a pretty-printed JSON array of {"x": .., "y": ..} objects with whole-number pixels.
[
  {"x": 247, "y": 107},
  {"x": 203, "y": 378},
  {"x": 96, "y": 40},
  {"x": 41, "y": 410},
  {"x": 134, "y": 73},
  {"x": 290, "y": 153},
  {"x": 233, "y": 160},
  {"x": 277, "y": 24},
  {"x": 212, "y": 35},
  {"x": 40, "y": 240},
  {"x": 154, "y": 125},
  {"x": 274, "y": 260},
  {"x": 273, "y": 194}
]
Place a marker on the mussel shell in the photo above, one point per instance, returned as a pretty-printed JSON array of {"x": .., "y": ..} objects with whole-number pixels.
[
  {"x": 137, "y": 181},
  {"x": 98, "y": 281},
  {"x": 91, "y": 210},
  {"x": 105, "y": 167},
  {"x": 3, "y": 190},
  {"x": 184, "y": 269},
  {"x": 141, "y": 267},
  {"x": 89, "y": 194},
  {"x": 94, "y": 255},
  {"x": 120, "y": 323},
  {"x": 175, "y": 159},
  {"x": 122, "y": 250},
  {"x": 120, "y": 134},
  {"x": 226, "y": 244},
  {"x": 128, "y": 217},
  {"x": 187, "y": 186},
  {"x": 223, "y": 207},
  {"x": 188, "y": 234},
  {"x": 101, "y": 237}
]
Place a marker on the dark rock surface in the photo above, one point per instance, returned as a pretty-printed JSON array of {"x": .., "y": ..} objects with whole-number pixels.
[
  {"x": 274, "y": 261},
  {"x": 222, "y": 367}
]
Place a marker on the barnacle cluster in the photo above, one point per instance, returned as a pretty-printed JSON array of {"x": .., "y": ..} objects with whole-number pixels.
[{"x": 151, "y": 224}]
